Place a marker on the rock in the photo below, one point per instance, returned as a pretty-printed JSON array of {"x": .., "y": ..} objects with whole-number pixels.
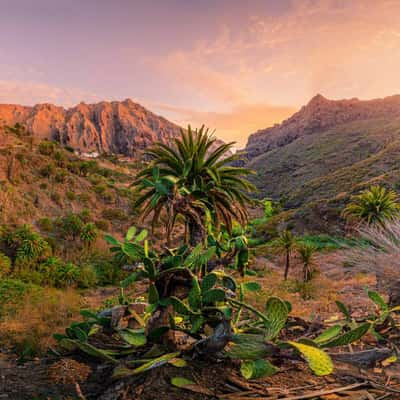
[
  {"x": 106, "y": 127},
  {"x": 121, "y": 127}
]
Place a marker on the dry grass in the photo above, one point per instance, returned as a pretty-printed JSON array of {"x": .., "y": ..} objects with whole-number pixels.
[
  {"x": 314, "y": 299},
  {"x": 30, "y": 329},
  {"x": 381, "y": 256}
]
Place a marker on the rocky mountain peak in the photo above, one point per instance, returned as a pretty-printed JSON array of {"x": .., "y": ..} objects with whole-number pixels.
[
  {"x": 318, "y": 115},
  {"x": 123, "y": 127}
]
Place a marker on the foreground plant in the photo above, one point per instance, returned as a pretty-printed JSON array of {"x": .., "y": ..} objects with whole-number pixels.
[{"x": 203, "y": 315}]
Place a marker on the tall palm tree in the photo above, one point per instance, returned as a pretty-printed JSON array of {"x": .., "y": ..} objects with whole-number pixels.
[
  {"x": 286, "y": 243},
  {"x": 194, "y": 178},
  {"x": 373, "y": 206}
]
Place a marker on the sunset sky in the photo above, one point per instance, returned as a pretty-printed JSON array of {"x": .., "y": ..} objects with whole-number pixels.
[{"x": 235, "y": 65}]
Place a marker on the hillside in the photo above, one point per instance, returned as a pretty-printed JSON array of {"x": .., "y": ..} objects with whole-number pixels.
[
  {"x": 325, "y": 152},
  {"x": 106, "y": 127},
  {"x": 40, "y": 179}
]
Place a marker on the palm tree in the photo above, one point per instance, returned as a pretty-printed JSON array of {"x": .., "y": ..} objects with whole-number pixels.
[
  {"x": 286, "y": 243},
  {"x": 194, "y": 179},
  {"x": 373, "y": 206},
  {"x": 307, "y": 256}
]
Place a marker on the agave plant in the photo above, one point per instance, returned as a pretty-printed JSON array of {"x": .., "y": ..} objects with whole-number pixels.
[{"x": 193, "y": 179}]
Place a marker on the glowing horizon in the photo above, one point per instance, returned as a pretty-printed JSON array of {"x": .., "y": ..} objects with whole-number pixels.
[{"x": 235, "y": 66}]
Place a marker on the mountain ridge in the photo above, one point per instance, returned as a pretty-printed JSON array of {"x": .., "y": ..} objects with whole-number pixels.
[
  {"x": 123, "y": 127},
  {"x": 319, "y": 114}
]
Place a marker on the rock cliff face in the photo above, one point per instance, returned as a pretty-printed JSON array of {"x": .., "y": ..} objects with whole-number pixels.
[
  {"x": 319, "y": 115},
  {"x": 112, "y": 127}
]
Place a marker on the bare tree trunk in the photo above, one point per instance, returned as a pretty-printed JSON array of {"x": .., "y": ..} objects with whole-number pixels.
[
  {"x": 196, "y": 233},
  {"x": 287, "y": 266}
]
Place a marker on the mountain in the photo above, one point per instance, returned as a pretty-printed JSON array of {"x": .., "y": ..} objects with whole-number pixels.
[
  {"x": 121, "y": 127},
  {"x": 328, "y": 150}
]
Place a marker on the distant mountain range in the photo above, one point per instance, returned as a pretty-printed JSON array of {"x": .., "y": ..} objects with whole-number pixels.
[
  {"x": 122, "y": 127},
  {"x": 328, "y": 150}
]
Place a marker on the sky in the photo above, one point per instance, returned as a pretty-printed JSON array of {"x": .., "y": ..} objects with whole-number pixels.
[{"x": 235, "y": 65}]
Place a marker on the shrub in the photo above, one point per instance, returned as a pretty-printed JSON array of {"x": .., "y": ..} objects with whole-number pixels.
[
  {"x": 85, "y": 215},
  {"x": 47, "y": 171},
  {"x": 43, "y": 186},
  {"x": 67, "y": 275},
  {"x": 89, "y": 233},
  {"x": 5, "y": 265},
  {"x": 45, "y": 224},
  {"x": 69, "y": 149},
  {"x": 12, "y": 292},
  {"x": 114, "y": 214},
  {"x": 60, "y": 176},
  {"x": 108, "y": 271},
  {"x": 60, "y": 158},
  {"x": 87, "y": 277},
  {"x": 70, "y": 226},
  {"x": 56, "y": 197},
  {"x": 25, "y": 245},
  {"x": 70, "y": 194},
  {"x": 51, "y": 272},
  {"x": 84, "y": 198},
  {"x": 46, "y": 148},
  {"x": 102, "y": 224}
]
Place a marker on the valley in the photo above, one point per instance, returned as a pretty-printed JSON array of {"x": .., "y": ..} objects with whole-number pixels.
[{"x": 103, "y": 223}]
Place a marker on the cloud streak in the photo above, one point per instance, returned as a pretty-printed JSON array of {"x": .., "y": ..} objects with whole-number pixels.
[{"x": 30, "y": 93}]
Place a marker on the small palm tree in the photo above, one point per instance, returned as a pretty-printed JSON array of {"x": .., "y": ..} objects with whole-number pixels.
[
  {"x": 373, "y": 206},
  {"x": 286, "y": 243},
  {"x": 193, "y": 179},
  {"x": 89, "y": 234},
  {"x": 307, "y": 255}
]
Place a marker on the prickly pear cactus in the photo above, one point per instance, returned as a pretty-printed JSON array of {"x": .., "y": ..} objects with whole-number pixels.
[
  {"x": 277, "y": 313},
  {"x": 319, "y": 361}
]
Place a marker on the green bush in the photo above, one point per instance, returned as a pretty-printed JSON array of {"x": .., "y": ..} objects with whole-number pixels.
[
  {"x": 87, "y": 277},
  {"x": 25, "y": 246},
  {"x": 89, "y": 233},
  {"x": 12, "y": 293},
  {"x": 60, "y": 158},
  {"x": 70, "y": 226},
  {"x": 70, "y": 194},
  {"x": 84, "y": 198},
  {"x": 47, "y": 148},
  {"x": 5, "y": 265},
  {"x": 45, "y": 224},
  {"x": 108, "y": 272},
  {"x": 85, "y": 215},
  {"x": 60, "y": 176},
  {"x": 114, "y": 214}
]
